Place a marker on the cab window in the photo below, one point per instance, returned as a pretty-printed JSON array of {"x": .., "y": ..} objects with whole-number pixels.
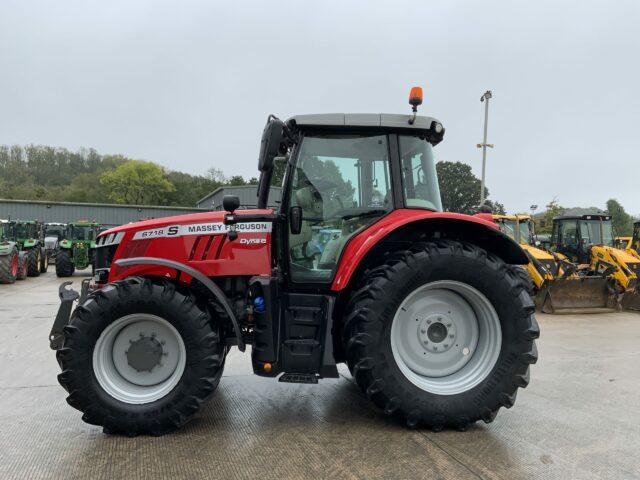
[
  {"x": 342, "y": 184},
  {"x": 419, "y": 177}
]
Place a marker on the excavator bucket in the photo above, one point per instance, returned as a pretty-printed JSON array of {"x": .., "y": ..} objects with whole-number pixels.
[
  {"x": 631, "y": 301},
  {"x": 579, "y": 295}
]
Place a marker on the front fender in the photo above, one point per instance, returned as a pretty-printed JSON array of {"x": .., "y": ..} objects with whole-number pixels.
[
  {"x": 29, "y": 243},
  {"x": 414, "y": 225}
]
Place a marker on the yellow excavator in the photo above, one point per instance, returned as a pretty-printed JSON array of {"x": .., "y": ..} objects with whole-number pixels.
[
  {"x": 588, "y": 241},
  {"x": 550, "y": 277},
  {"x": 542, "y": 266}
]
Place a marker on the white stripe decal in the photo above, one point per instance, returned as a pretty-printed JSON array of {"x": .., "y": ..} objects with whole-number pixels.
[{"x": 202, "y": 228}]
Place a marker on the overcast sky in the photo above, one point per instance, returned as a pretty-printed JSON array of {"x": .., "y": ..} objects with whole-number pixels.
[{"x": 190, "y": 84}]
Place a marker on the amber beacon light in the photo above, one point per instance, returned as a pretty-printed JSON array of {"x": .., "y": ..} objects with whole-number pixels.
[{"x": 415, "y": 99}]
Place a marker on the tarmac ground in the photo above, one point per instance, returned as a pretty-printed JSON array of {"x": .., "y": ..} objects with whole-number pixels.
[{"x": 578, "y": 419}]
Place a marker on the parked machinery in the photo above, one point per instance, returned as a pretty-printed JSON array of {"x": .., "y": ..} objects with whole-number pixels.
[
  {"x": 77, "y": 250},
  {"x": 551, "y": 277},
  {"x": 10, "y": 262},
  {"x": 29, "y": 236},
  {"x": 588, "y": 240},
  {"x": 359, "y": 265},
  {"x": 53, "y": 235}
]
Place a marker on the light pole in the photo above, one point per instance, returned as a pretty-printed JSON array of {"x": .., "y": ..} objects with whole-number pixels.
[{"x": 484, "y": 98}]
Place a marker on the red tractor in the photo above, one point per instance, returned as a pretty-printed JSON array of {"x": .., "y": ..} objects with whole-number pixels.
[{"x": 357, "y": 265}]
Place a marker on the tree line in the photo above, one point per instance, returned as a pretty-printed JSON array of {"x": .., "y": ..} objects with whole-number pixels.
[{"x": 39, "y": 172}]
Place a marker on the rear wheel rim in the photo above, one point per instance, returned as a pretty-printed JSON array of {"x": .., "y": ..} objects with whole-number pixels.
[
  {"x": 139, "y": 358},
  {"x": 14, "y": 266},
  {"x": 446, "y": 337}
]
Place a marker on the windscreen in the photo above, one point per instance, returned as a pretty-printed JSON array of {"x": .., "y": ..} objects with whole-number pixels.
[
  {"x": 54, "y": 231},
  {"x": 82, "y": 233},
  {"x": 592, "y": 234},
  {"x": 525, "y": 232},
  {"x": 22, "y": 230}
]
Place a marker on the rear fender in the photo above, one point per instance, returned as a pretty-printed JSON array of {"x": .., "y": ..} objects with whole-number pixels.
[{"x": 402, "y": 227}]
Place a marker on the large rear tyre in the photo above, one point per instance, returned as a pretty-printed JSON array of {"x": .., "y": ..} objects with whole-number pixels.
[
  {"x": 140, "y": 357},
  {"x": 442, "y": 335},
  {"x": 521, "y": 272},
  {"x": 64, "y": 265},
  {"x": 34, "y": 258},
  {"x": 9, "y": 266}
]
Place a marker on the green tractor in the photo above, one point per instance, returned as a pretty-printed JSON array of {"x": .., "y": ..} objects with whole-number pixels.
[
  {"x": 78, "y": 248},
  {"x": 29, "y": 236},
  {"x": 13, "y": 263}
]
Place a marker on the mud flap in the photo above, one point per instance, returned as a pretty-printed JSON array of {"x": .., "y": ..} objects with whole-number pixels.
[{"x": 568, "y": 295}]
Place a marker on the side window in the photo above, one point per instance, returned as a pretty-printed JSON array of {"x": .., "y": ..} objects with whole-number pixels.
[
  {"x": 342, "y": 184},
  {"x": 419, "y": 177}
]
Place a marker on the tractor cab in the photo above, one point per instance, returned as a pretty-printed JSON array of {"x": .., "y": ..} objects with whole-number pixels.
[
  {"x": 575, "y": 235},
  {"x": 5, "y": 231},
  {"x": 56, "y": 230},
  {"x": 82, "y": 232},
  {"x": 343, "y": 173},
  {"x": 635, "y": 240}
]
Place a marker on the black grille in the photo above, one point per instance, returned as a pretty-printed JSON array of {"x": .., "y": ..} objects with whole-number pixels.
[{"x": 104, "y": 256}]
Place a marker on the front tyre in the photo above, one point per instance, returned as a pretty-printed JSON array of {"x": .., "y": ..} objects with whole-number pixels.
[
  {"x": 441, "y": 335},
  {"x": 44, "y": 265},
  {"x": 64, "y": 264},
  {"x": 140, "y": 357},
  {"x": 23, "y": 266},
  {"x": 33, "y": 262}
]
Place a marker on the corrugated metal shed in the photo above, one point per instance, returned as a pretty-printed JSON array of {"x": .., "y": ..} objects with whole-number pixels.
[
  {"x": 248, "y": 195},
  {"x": 105, "y": 214}
]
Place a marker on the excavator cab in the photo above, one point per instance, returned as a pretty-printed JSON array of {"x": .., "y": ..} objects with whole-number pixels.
[
  {"x": 589, "y": 241},
  {"x": 574, "y": 236}
]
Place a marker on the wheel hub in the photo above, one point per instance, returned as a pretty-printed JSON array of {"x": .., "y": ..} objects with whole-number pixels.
[
  {"x": 144, "y": 354},
  {"x": 437, "y": 332}
]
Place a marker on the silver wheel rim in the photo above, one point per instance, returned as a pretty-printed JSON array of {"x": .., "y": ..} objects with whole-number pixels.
[
  {"x": 139, "y": 358},
  {"x": 446, "y": 337}
]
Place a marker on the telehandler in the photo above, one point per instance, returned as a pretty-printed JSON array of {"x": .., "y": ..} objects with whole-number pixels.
[
  {"x": 587, "y": 240},
  {"x": 422, "y": 305}
]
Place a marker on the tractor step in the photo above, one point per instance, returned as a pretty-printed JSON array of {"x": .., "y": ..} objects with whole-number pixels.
[{"x": 298, "y": 378}]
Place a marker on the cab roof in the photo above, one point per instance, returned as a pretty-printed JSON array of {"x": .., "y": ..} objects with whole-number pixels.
[
  {"x": 522, "y": 216},
  {"x": 428, "y": 126},
  {"x": 589, "y": 216}
]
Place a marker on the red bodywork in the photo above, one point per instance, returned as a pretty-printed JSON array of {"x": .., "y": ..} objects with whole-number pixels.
[
  {"x": 211, "y": 252},
  {"x": 207, "y": 250},
  {"x": 360, "y": 245}
]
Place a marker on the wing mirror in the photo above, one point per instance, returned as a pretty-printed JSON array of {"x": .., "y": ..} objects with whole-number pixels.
[
  {"x": 295, "y": 220},
  {"x": 230, "y": 203}
]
